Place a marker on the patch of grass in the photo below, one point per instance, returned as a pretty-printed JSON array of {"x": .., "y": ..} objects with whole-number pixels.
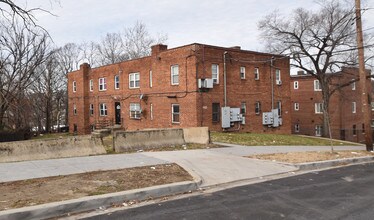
[
  {"x": 251, "y": 139},
  {"x": 52, "y": 135}
]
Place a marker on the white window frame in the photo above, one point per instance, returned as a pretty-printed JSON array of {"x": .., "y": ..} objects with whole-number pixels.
[
  {"x": 296, "y": 106},
  {"x": 354, "y": 106},
  {"x": 243, "y": 106},
  {"x": 174, "y": 74},
  {"x": 257, "y": 73},
  {"x": 215, "y": 75},
  {"x": 116, "y": 82},
  {"x": 318, "y": 130},
  {"x": 74, "y": 86},
  {"x": 317, "y": 85},
  {"x": 135, "y": 79},
  {"x": 102, "y": 84},
  {"x": 318, "y": 108},
  {"x": 91, "y": 109},
  {"x": 175, "y": 113},
  {"x": 91, "y": 85},
  {"x": 297, "y": 128},
  {"x": 150, "y": 79},
  {"x": 278, "y": 79},
  {"x": 257, "y": 108},
  {"x": 103, "y": 109},
  {"x": 242, "y": 72},
  {"x": 296, "y": 85},
  {"x": 353, "y": 86},
  {"x": 135, "y": 111},
  {"x": 151, "y": 111},
  {"x": 75, "y": 109}
]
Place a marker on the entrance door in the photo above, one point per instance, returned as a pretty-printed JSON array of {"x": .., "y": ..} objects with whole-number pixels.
[
  {"x": 117, "y": 107},
  {"x": 342, "y": 134}
]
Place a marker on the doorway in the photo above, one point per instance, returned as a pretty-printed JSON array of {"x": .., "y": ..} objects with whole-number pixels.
[{"x": 117, "y": 107}]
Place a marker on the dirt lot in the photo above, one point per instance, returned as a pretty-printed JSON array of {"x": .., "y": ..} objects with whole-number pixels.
[
  {"x": 304, "y": 157},
  {"x": 51, "y": 189}
]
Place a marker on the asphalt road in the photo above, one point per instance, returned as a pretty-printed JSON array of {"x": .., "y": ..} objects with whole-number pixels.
[{"x": 342, "y": 193}]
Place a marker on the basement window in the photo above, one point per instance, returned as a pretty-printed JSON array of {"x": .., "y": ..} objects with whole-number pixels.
[{"x": 175, "y": 113}]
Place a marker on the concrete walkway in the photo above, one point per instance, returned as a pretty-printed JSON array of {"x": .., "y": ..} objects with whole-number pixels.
[{"x": 213, "y": 166}]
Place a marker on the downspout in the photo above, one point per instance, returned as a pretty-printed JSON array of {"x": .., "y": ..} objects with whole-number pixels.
[{"x": 224, "y": 78}]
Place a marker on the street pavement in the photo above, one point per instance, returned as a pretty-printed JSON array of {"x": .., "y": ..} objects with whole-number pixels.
[{"x": 340, "y": 193}]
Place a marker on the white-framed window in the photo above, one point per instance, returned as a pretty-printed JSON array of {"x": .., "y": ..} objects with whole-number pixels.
[
  {"x": 296, "y": 85},
  {"x": 353, "y": 85},
  {"x": 215, "y": 73},
  {"x": 150, "y": 79},
  {"x": 135, "y": 110},
  {"x": 318, "y": 108},
  {"x": 242, "y": 72},
  {"x": 279, "y": 107},
  {"x": 102, "y": 84},
  {"x": 257, "y": 108},
  {"x": 116, "y": 82},
  {"x": 353, "y": 107},
  {"x": 151, "y": 111},
  {"x": 296, "y": 106},
  {"x": 317, "y": 85},
  {"x": 257, "y": 73},
  {"x": 175, "y": 113},
  {"x": 278, "y": 79},
  {"x": 91, "y": 109},
  {"x": 103, "y": 109},
  {"x": 318, "y": 129},
  {"x": 75, "y": 109},
  {"x": 74, "y": 86},
  {"x": 91, "y": 85},
  {"x": 174, "y": 74},
  {"x": 134, "y": 80},
  {"x": 243, "y": 108},
  {"x": 297, "y": 128}
]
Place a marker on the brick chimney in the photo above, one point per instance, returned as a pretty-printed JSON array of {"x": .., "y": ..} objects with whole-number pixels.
[{"x": 156, "y": 49}]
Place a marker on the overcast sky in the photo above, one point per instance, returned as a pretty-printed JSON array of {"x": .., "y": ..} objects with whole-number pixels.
[{"x": 215, "y": 22}]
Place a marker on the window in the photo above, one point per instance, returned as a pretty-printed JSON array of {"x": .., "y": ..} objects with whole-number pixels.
[
  {"x": 279, "y": 107},
  {"x": 91, "y": 109},
  {"x": 243, "y": 108},
  {"x": 91, "y": 85},
  {"x": 363, "y": 128},
  {"x": 75, "y": 109},
  {"x": 242, "y": 72},
  {"x": 215, "y": 112},
  {"x": 257, "y": 74},
  {"x": 116, "y": 82},
  {"x": 353, "y": 86},
  {"x": 317, "y": 85},
  {"x": 278, "y": 80},
  {"x": 134, "y": 80},
  {"x": 297, "y": 128},
  {"x": 151, "y": 111},
  {"x": 175, "y": 75},
  {"x": 372, "y": 106},
  {"x": 257, "y": 108},
  {"x": 353, "y": 107},
  {"x": 175, "y": 113},
  {"x": 102, "y": 84},
  {"x": 296, "y": 85},
  {"x": 150, "y": 79},
  {"x": 103, "y": 109},
  {"x": 318, "y": 108},
  {"x": 215, "y": 73},
  {"x": 354, "y": 131},
  {"x": 135, "y": 111},
  {"x": 296, "y": 106},
  {"x": 318, "y": 129},
  {"x": 74, "y": 86}
]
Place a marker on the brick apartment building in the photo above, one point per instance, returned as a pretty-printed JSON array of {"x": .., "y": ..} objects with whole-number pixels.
[
  {"x": 183, "y": 87},
  {"x": 345, "y": 111}
]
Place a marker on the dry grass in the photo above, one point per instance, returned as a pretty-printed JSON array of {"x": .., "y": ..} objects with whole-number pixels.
[{"x": 304, "y": 157}]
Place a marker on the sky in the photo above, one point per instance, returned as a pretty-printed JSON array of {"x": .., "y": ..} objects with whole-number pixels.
[{"x": 215, "y": 22}]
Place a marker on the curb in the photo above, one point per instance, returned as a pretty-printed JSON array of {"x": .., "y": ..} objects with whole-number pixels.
[
  {"x": 56, "y": 209},
  {"x": 333, "y": 163}
]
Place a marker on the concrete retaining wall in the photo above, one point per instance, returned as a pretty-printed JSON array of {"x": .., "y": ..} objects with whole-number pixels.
[
  {"x": 148, "y": 139},
  {"x": 50, "y": 148}
]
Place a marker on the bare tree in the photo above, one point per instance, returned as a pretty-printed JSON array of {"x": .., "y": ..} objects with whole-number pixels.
[
  {"x": 21, "y": 53},
  {"x": 320, "y": 43},
  {"x": 111, "y": 49}
]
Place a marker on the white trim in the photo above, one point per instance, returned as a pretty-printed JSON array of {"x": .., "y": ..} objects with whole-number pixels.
[
  {"x": 296, "y": 106},
  {"x": 91, "y": 85},
  {"x": 174, "y": 72},
  {"x": 296, "y": 85},
  {"x": 318, "y": 108},
  {"x": 257, "y": 73},
  {"x": 136, "y": 78},
  {"x": 102, "y": 84},
  {"x": 150, "y": 79},
  {"x": 116, "y": 82},
  {"x": 317, "y": 85},
  {"x": 103, "y": 109},
  {"x": 215, "y": 78},
  {"x": 354, "y": 107},
  {"x": 74, "y": 86},
  {"x": 242, "y": 72}
]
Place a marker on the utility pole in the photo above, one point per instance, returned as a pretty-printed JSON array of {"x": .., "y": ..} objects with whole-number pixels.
[{"x": 364, "y": 92}]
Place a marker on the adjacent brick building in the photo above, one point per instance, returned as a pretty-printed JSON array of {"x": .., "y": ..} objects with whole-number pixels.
[
  {"x": 345, "y": 111},
  {"x": 162, "y": 90}
]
